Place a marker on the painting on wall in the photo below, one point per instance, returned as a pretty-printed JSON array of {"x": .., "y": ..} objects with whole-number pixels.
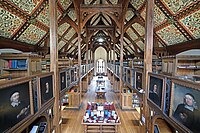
[
  {"x": 62, "y": 80},
  {"x": 185, "y": 107},
  {"x": 138, "y": 79},
  {"x": 14, "y": 105},
  {"x": 155, "y": 90},
  {"x": 46, "y": 88}
]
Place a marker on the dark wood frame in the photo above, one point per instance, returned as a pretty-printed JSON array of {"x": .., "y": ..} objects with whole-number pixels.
[
  {"x": 39, "y": 78},
  {"x": 184, "y": 83},
  {"x": 137, "y": 71},
  {"x": 60, "y": 80},
  {"x": 162, "y": 91},
  {"x": 17, "y": 82}
]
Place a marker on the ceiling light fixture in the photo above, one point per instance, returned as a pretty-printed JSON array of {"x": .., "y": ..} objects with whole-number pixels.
[{"x": 100, "y": 40}]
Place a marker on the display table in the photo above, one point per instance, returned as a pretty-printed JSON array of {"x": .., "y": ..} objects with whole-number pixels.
[
  {"x": 101, "y": 91},
  {"x": 101, "y": 118},
  {"x": 100, "y": 82}
]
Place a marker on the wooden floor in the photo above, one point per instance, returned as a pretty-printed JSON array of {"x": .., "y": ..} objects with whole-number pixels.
[{"x": 72, "y": 118}]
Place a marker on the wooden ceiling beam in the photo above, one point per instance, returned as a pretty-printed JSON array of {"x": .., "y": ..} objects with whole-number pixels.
[
  {"x": 8, "y": 43},
  {"x": 178, "y": 48},
  {"x": 173, "y": 20},
  {"x": 100, "y": 27},
  {"x": 70, "y": 21},
  {"x": 14, "y": 9},
  {"x": 107, "y": 20},
  {"x": 63, "y": 35},
  {"x": 92, "y": 2},
  {"x": 110, "y": 3},
  {"x": 133, "y": 43},
  {"x": 30, "y": 20},
  {"x": 101, "y": 8},
  {"x": 70, "y": 42},
  {"x": 129, "y": 46},
  {"x": 189, "y": 10},
  {"x": 76, "y": 48},
  {"x": 130, "y": 22}
]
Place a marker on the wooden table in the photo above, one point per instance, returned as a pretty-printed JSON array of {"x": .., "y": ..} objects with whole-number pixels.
[
  {"x": 108, "y": 124},
  {"x": 100, "y": 82}
]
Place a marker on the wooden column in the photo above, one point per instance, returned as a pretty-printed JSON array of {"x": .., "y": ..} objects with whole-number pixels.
[
  {"x": 87, "y": 68},
  {"x": 131, "y": 74},
  {"x": 108, "y": 57},
  {"x": 124, "y": 9},
  {"x": 93, "y": 57},
  {"x": 148, "y": 48},
  {"x": 54, "y": 62},
  {"x": 79, "y": 63},
  {"x": 114, "y": 48},
  {"x": 114, "y": 63},
  {"x": 110, "y": 53},
  {"x": 121, "y": 61}
]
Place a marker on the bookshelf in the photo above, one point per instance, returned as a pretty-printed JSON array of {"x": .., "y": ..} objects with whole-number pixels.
[
  {"x": 181, "y": 65},
  {"x": 187, "y": 65},
  {"x": 63, "y": 63},
  {"x": 138, "y": 63},
  {"x": 20, "y": 65},
  {"x": 168, "y": 65},
  {"x": 156, "y": 65},
  {"x": 46, "y": 64}
]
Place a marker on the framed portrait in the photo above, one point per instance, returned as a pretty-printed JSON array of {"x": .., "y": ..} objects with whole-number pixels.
[
  {"x": 155, "y": 90},
  {"x": 185, "y": 105},
  {"x": 133, "y": 78},
  {"x": 46, "y": 88},
  {"x": 138, "y": 80},
  {"x": 14, "y": 105},
  {"x": 62, "y": 80}
]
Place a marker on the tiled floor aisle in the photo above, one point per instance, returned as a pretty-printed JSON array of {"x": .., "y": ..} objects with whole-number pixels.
[{"x": 73, "y": 118}]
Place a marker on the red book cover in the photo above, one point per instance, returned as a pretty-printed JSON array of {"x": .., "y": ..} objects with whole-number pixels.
[{"x": 10, "y": 64}]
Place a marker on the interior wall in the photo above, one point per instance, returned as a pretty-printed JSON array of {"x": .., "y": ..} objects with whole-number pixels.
[{"x": 100, "y": 53}]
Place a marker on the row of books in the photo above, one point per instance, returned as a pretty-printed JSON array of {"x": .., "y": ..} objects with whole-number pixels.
[{"x": 16, "y": 64}]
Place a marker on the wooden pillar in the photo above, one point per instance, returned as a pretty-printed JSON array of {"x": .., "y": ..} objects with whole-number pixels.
[
  {"x": 148, "y": 49},
  {"x": 114, "y": 64},
  {"x": 121, "y": 62},
  {"x": 110, "y": 53},
  {"x": 87, "y": 67},
  {"x": 54, "y": 62},
  {"x": 93, "y": 57},
  {"x": 108, "y": 57},
  {"x": 79, "y": 62}
]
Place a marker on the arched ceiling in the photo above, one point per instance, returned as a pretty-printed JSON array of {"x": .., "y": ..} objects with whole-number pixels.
[{"x": 25, "y": 25}]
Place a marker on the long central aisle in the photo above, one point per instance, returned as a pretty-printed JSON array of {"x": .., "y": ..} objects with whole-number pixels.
[{"x": 72, "y": 118}]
